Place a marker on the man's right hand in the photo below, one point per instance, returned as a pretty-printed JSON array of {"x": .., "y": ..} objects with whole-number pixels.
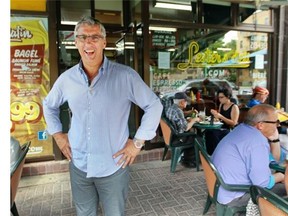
[{"x": 63, "y": 144}]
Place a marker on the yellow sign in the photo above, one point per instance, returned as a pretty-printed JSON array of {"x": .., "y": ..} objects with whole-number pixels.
[
  {"x": 210, "y": 58},
  {"x": 30, "y": 83},
  {"x": 28, "y": 5},
  {"x": 282, "y": 116}
]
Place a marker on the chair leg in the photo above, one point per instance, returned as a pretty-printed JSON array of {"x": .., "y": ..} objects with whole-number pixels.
[
  {"x": 207, "y": 205},
  {"x": 164, "y": 153},
  {"x": 196, "y": 156},
  {"x": 221, "y": 210},
  {"x": 176, "y": 152},
  {"x": 14, "y": 210}
]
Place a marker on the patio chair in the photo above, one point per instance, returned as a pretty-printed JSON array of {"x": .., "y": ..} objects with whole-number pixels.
[
  {"x": 269, "y": 203},
  {"x": 15, "y": 176},
  {"x": 214, "y": 181},
  {"x": 174, "y": 142}
]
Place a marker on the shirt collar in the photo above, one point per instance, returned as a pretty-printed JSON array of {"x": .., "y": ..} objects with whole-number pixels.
[{"x": 102, "y": 69}]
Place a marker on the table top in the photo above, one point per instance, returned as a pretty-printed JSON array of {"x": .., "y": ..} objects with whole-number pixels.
[{"x": 200, "y": 125}]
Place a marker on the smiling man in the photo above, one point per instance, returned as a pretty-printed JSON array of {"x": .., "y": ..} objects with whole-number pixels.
[{"x": 100, "y": 94}]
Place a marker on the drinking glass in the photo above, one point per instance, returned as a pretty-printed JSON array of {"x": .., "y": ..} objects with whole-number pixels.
[{"x": 202, "y": 115}]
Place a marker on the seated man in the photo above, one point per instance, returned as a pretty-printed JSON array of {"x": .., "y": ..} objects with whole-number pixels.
[
  {"x": 242, "y": 157},
  {"x": 176, "y": 115},
  {"x": 259, "y": 96}
]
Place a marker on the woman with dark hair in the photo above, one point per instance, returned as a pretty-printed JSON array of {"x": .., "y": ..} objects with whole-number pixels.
[{"x": 228, "y": 114}]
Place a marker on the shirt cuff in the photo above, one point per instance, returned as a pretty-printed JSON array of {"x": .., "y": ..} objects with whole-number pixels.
[{"x": 271, "y": 182}]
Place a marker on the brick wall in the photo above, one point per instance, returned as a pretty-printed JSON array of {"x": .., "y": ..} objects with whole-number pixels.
[{"x": 48, "y": 167}]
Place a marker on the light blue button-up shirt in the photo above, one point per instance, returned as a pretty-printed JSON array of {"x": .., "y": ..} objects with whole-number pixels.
[
  {"x": 100, "y": 112},
  {"x": 242, "y": 157}
]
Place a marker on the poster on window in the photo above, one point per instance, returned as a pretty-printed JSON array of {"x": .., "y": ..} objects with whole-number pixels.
[{"x": 30, "y": 83}]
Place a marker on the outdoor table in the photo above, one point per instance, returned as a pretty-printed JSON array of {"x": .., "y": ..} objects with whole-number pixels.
[{"x": 200, "y": 128}]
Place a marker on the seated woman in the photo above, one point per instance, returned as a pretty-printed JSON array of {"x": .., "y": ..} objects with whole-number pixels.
[{"x": 228, "y": 114}]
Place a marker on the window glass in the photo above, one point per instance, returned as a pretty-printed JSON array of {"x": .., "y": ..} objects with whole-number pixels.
[
  {"x": 208, "y": 60},
  {"x": 71, "y": 12},
  {"x": 249, "y": 15}
]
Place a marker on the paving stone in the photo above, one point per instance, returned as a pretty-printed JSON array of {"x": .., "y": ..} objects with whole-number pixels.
[{"x": 153, "y": 191}]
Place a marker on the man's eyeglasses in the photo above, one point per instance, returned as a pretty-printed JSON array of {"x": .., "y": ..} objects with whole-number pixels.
[
  {"x": 94, "y": 38},
  {"x": 271, "y": 122}
]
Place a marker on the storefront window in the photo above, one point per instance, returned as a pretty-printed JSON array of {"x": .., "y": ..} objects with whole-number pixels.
[
  {"x": 194, "y": 58},
  {"x": 72, "y": 11}
]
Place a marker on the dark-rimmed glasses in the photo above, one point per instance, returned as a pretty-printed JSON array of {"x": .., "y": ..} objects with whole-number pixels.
[
  {"x": 93, "y": 38},
  {"x": 271, "y": 122}
]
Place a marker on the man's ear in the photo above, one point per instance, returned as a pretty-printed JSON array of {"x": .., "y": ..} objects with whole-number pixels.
[{"x": 259, "y": 126}]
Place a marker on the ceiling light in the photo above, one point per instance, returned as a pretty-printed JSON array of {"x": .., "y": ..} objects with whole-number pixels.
[
  {"x": 130, "y": 43},
  {"x": 129, "y": 47},
  {"x": 110, "y": 48},
  {"x": 68, "y": 23},
  {"x": 173, "y": 6},
  {"x": 158, "y": 28},
  {"x": 70, "y": 47}
]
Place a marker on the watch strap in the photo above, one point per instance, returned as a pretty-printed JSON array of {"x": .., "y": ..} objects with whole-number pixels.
[{"x": 273, "y": 141}]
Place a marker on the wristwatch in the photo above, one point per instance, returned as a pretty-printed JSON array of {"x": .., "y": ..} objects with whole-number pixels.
[
  {"x": 138, "y": 143},
  {"x": 273, "y": 141}
]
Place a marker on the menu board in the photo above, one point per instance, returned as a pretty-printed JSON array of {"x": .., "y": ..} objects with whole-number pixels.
[
  {"x": 30, "y": 83},
  {"x": 163, "y": 39}
]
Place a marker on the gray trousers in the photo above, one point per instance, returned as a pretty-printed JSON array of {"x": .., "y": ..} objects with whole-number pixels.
[{"x": 110, "y": 191}]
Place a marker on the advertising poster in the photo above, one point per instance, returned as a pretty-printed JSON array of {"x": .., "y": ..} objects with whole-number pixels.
[{"x": 30, "y": 83}]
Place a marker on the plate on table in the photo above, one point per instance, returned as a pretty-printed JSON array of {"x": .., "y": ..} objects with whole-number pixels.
[
  {"x": 204, "y": 122},
  {"x": 217, "y": 123},
  {"x": 208, "y": 122}
]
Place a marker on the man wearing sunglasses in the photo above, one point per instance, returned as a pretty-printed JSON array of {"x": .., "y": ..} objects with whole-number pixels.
[{"x": 242, "y": 157}]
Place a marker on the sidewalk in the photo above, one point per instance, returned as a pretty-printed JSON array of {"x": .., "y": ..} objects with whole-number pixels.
[{"x": 153, "y": 191}]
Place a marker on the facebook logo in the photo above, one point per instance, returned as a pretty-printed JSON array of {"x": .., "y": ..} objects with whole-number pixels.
[{"x": 42, "y": 135}]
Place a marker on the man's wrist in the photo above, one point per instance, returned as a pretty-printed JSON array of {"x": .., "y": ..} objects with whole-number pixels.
[
  {"x": 274, "y": 140},
  {"x": 138, "y": 143}
]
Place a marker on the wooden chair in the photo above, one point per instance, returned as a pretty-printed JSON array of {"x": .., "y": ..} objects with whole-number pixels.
[
  {"x": 214, "y": 181},
  {"x": 174, "y": 142},
  {"x": 15, "y": 176},
  {"x": 269, "y": 203}
]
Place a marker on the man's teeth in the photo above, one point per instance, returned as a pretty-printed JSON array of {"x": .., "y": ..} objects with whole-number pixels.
[{"x": 89, "y": 51}]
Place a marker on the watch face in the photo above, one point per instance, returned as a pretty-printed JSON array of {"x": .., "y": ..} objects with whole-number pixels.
[{"x": 137, "y": 144}]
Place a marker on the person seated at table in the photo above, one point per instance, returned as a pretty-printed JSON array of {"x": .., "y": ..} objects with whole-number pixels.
[
  {"x": 242, "y": 157},
  {"x": 228, "y": 114},
  {"x": 176, "y": 116},
  {"x": 259, "y": 96}
]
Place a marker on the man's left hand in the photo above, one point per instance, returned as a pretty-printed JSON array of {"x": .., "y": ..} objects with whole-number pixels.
[{"x": 129, "y": 153}]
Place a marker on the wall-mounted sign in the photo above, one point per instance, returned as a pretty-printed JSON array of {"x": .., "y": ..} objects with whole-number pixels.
[
  {"x": 163, "y": 39},
  {"x": 209, "y": 58},
  {"x": 30, "y": 83}
]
